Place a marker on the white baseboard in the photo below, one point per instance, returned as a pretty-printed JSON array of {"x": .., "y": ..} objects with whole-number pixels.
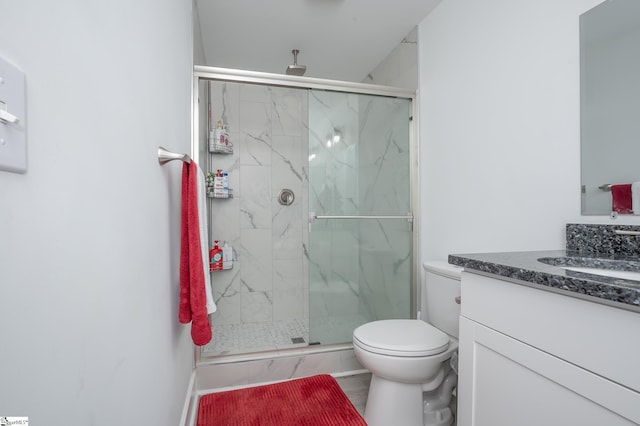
[{"x": 189, "y": 410}]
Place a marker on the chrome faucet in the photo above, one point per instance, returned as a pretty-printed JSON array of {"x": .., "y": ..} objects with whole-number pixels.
[{"x": 623, "y": 232}]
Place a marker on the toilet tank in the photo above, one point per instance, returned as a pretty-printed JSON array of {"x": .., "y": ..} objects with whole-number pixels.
[{"x": 440, "y": 288}]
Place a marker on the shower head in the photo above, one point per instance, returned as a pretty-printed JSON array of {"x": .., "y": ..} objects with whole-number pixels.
[{"x": 296, "y": 69}]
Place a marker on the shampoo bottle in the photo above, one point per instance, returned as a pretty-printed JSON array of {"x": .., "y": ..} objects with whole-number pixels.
[
  {"x": 225, "y": 135},
  {"x": 215, "y": 256},
  {"x": 219, "y": 134}
]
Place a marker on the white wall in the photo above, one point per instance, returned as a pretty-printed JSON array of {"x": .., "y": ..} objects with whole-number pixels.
[
  {"x": 499, "y": 119},
  {"x": 400, "y": 67},
  {"x": 89, "y": 236},
  {"x": 198, "y": 47}
]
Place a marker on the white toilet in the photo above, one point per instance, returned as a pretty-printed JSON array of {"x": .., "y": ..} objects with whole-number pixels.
[{"x": 409, "y": 360}]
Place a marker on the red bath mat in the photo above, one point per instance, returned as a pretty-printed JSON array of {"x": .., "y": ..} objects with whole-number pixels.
[{"x": 311, "y": 401}]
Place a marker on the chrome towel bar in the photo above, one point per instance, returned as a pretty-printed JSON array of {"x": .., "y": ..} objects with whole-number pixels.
[
  {"x": 165, "y": 156},
  {"x": 313, "y": 217}
]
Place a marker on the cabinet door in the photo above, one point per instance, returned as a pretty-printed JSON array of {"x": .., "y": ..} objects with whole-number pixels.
[{"x": 504, "y": 382}]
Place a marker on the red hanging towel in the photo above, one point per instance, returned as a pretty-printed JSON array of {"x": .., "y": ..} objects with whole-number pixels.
[
  {"x": 184, "y": 311},
  {"x": 621, "y": 200},
  {"x": 193, "y": 303}
]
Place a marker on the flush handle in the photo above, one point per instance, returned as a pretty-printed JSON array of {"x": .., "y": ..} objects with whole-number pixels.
[{"x": 458, "y": 299}]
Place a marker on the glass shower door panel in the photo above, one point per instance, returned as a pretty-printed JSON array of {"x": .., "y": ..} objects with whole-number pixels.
[{"x": 360, "y": 249}]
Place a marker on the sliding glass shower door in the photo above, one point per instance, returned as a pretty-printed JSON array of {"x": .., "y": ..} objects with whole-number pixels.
[
  {"x": 320, "y": 219},
  {"x": 361, "y": 236}
]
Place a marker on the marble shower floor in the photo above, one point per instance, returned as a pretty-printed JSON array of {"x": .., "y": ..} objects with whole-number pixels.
[
  {"x": 233, "y": 339},
  {"x": 230, "y": 339}
]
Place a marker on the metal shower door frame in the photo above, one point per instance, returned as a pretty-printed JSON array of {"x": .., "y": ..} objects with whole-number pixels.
[{"x": 206, "y": 73}]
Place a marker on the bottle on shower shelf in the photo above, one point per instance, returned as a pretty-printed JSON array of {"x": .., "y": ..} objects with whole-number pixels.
[
  {"x": 215, "y": 256},
  {"x": 219, "y": 135},
  {"x": 219, "y": 139},
  {"x": 225, "y": 135}
]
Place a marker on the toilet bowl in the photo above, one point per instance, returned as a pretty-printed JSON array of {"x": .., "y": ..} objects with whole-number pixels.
[{"x": 409, "y": 359}]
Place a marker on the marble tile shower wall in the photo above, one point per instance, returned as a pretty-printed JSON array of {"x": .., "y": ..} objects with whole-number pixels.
[{"x": 268, "y": 127}]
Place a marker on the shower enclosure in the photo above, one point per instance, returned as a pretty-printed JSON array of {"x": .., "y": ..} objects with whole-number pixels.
[{"x": 321, "y": 215}]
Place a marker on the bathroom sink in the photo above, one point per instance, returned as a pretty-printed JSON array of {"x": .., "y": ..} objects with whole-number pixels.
[
  {"x": 612, "y": 273},
  {"x": 628, "y": 269}
]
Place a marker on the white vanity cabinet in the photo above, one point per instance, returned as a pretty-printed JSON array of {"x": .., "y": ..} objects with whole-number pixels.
[{"x": 533, "y": 357}]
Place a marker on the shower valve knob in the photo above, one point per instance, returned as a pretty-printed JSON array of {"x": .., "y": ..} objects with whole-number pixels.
[{"x": 286, "y": 197}]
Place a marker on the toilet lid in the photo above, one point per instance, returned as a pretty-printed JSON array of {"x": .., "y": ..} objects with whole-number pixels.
[{"x": 401, "y": 338}]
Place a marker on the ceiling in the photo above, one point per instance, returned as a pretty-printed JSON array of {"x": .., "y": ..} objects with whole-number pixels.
[{"x": 337, "y": 39}]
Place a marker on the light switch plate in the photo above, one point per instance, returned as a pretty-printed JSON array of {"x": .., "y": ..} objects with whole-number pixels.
[{"x": 13, "y": 128}]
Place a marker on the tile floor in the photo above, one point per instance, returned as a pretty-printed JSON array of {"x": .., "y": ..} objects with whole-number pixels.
[{"x": 356, "y": 388}]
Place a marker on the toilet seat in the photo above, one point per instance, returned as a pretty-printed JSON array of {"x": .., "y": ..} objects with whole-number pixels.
[{"x": 401, "y": 338}]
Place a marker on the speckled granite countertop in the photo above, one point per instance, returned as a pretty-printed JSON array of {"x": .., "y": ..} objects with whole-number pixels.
[{"x": 525, "y": 268}]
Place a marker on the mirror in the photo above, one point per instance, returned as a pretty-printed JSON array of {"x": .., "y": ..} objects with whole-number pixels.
[{"x": 610, "y": 101}]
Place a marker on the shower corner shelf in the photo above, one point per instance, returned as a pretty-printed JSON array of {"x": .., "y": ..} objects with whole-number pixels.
[
  {"x": 211, "y": 194},
  {"x": 220, "y": 149}
]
